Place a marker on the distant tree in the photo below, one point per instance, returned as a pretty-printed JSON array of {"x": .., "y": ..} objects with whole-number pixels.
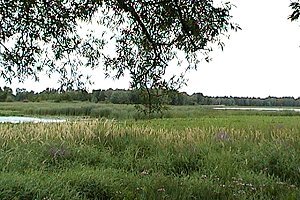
[
  {"x": 9, "y": 94},
  {"x": 120, "y": 97},
  {"x": 134, "y": 97},
  {"x": 95, "y": 96},
  {"x": 102, "y": 95},
  {"x": 6, "y": 94},
  {"x": 176, "y": 98},
  {"x": 48, "y": 94},
  {"x": 200, "y": 98},
  {"x": 108, "y": 93},
  {"x": 20, "y": 94},
  {"x": 2, "y": 95},
  {"x": 23, "y": 95}
]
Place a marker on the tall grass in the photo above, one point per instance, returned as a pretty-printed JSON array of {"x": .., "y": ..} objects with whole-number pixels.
[
  {"x": 122, "y": 112},
  {"x": 107, "y": 159}
]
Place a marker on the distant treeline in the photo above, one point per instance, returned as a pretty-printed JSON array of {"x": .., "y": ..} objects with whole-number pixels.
[{"x": 120, "y": 96}]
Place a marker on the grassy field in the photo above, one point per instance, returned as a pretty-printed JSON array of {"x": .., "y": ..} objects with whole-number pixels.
[
  {"x": 196, "y": 153},
  {"x": 117, "y": 111}
]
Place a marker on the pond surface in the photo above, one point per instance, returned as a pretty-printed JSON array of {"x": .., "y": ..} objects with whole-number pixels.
[
  {"x": 15, "y": 119},
  {"x": 258, "y": 109}
]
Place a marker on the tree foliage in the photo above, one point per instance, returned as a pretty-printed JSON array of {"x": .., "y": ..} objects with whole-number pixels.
[
  {"x": 39, "y": 35},
  {"x": 121, "y": 96},
  {"x": 295, "y": 5},
  {"x": 45, "y": 35}
]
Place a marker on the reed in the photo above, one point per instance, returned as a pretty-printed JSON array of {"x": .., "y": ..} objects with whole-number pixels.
[{"x": 122, "y": 112}]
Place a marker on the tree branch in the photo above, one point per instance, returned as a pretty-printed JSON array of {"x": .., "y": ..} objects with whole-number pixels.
[{"x": 10, "y": 53}]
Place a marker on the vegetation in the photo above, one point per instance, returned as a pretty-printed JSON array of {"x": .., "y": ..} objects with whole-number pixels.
[
  {"x": 119, "y": 111},
  {"x": 295, "y": 5},
  {"x": 137, "y": 97},
  {"x": 218, "y": 156},
  {"x": 193, "y": 153},
  {"x": 64, "y": 36}
]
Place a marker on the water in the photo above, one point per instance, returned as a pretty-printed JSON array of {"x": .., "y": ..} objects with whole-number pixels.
[
  {"x": 15, "y": 119},
  {"x": 258, "y": 109}
]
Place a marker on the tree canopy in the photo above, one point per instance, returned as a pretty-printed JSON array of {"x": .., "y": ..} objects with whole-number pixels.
[
  {"x": 44, "y": 35},
  {"x": 295, "y": 5},
  {"x": 41, "y": 35}
]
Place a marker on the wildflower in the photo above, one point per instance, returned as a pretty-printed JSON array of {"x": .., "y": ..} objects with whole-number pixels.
[
  {"x": 161, "y": 190},
  {"x": 145, "y": 172},
  {"x": 222, "y": 136},
  {"x": 204, "y": 177}
]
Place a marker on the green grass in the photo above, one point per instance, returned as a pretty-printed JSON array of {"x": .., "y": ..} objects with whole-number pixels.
[
  {"x": 199, "y": 153},
  {"x": 120, "y": 112},
  {"x": 67, "y": 109}
]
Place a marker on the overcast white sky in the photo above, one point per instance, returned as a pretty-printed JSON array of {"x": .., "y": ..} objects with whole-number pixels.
[{"x": 262, "y": 59}]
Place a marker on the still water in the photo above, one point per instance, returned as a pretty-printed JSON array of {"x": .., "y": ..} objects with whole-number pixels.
[
  {"x": 258, "y": 109},
  {"x": 14, "y": 119}
]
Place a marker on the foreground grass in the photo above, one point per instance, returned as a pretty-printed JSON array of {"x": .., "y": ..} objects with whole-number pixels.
[{"x": 233, "y": 157}]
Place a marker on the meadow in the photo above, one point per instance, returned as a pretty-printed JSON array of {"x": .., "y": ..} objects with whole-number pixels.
[
  {"x": 118, "y": 111},
  {"x": 193, "y": 152}
]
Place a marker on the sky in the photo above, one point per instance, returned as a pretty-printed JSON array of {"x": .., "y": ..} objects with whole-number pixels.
[{"x": 261, "y": 60}]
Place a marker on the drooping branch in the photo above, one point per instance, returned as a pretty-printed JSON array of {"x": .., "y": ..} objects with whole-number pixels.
[
  {"x": 148, "y": 35},
  {"x": 129, "y": 8}
]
